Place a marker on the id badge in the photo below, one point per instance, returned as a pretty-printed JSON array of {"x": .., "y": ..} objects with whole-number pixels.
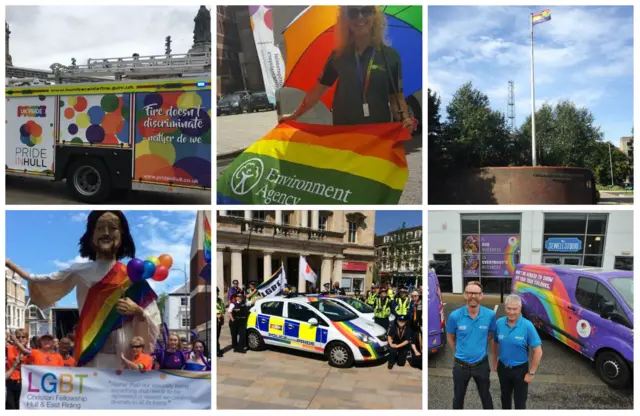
[{"x": 365, "y": 109}]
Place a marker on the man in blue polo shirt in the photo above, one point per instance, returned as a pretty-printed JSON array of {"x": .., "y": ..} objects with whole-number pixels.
[
  {"x": 468, "y": 331},
  {"x": 514, "y": 336}
]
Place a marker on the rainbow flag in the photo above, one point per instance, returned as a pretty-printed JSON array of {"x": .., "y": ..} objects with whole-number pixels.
[
  {"x": 297, "y": 163},
  {"x": 99, "y": 316},
  {"x": 541, "y": 17},
  {"x": 205, "y": 273}
]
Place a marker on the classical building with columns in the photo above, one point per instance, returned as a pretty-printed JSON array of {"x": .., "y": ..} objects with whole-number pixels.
[{"x": 338, "y": 245}]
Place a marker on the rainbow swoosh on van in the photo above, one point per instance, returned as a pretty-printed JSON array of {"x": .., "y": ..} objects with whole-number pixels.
[
  {"x": 347, "y": 329},
  {"x": 556, "y": 315}
]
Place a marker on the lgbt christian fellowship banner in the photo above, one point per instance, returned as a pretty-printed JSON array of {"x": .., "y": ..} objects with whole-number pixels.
[
  {"x": 298, "y": 163},
  {"x": 99, "y": 388},
  {"x": 270, "y": 57}
]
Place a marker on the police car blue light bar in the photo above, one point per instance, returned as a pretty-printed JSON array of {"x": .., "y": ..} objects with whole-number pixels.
[{"x": 201, "y": 84}]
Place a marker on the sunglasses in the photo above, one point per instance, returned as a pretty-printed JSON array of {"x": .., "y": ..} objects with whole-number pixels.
[{"x": 356, "y": 12}]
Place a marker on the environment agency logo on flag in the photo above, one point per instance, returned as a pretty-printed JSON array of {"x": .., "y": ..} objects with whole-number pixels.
[{"x": 250, "y": 171}]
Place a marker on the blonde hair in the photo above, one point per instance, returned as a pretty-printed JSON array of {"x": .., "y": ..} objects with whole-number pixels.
[
  {"x": 173, "y": 334},
  {"x": 344, "y": 38},
  {"x": 138, "y": 341}
]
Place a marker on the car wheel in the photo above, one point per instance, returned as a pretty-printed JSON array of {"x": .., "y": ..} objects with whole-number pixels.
[
  {"x": 88, "y": 180},
  {"x": 255, "y": 342},
  {"x": 613, "y": 369},
  {"x": 340, "y": 355}
]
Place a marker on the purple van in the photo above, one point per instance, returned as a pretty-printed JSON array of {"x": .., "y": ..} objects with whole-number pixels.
[
  {"x": 588, "y": 309},
  {"x": 435, "y": 314}
]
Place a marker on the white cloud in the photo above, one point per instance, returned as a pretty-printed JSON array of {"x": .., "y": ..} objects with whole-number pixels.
[
  {"x": 79, "y": 216},
  {"x": 66, "y": 264}
]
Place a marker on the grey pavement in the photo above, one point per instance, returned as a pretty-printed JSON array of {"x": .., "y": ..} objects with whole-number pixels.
[
  {"x": 31, "y": 191},
  {"x": 237, "y": 132},
  {"x": 286, "y": 379},
  {"x": 616, "y": 198},
  {"x": 565, "y": 379}
]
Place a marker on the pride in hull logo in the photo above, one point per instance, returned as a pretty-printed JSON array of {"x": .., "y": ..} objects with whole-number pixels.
[
  {"x": 247, "y": 176},
  {"x": 583, "y": 328}
]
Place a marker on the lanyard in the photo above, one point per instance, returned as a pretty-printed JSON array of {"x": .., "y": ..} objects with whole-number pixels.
[{"x": 364, "y": 83}]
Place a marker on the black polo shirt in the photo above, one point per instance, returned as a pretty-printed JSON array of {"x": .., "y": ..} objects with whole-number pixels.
[
  {"x": 399, "y": 335},
  {"x": 347, "y": 102}
]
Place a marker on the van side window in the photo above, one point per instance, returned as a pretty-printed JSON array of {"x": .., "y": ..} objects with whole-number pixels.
[
  {"x": 302, "y": 313},
  {"x": 272, "y": 308},
  {"x": 604, "y": 295},
  {"x": 586, "y": 293}
]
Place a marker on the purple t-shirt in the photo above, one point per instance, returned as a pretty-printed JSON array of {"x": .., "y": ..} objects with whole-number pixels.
[{"x": 172, "y": 360}]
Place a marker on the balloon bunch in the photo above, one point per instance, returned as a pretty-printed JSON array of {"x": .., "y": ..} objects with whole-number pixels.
[{"x": 156, "y": 268}]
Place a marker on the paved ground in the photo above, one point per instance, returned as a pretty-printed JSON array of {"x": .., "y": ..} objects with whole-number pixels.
[
  {"x": 237, "y": 132},
  {"x": 286, "y": 379},
  {"x": 565, "y": 379},
  {"x": 616, "y": 198},
  {"x": 29, "y": 191}
]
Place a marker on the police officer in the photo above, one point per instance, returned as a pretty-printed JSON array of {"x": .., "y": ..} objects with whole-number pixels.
[
  {"x": 415, "y": 320},
  {"x": 468, "y": 330},
  {"x": 327, "y": 288},
  {"x": 402, "y": 305},
  {"x": 358, "y": 295},
  {"x": 238, "y": 314},
  {"x": 399, "y": 338},
  {"x": 220, "y": 313},
  {"x": 513, "y": 338},
  {"x": 373, "y": 295},
  {"x": 382, "y": 310},
  {"x": 251, "y": 293},
  {"x": 390, "y": 292}
]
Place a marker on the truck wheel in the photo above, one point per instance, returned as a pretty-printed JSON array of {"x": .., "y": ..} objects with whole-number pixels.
[
  {"x": 255, "y": 342},
  {"x": 613, "y": 369},
  {"x": 339, "y": 355},
  {"x": 89, "y": 181}
]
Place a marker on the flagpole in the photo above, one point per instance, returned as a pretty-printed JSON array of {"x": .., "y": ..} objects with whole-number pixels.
[{"x": 533, "y": 101}]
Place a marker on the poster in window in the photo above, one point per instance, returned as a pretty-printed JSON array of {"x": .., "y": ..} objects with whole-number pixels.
[
  {"x": 470, "y": 244},
  {"x": 471, "y": 265},
  {"x": 500, "y": 254}
]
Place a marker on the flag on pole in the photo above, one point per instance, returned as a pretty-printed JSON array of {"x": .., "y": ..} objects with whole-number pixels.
[
  {"x": 306, "y": 272},
  {"x": 541, "y": 17},
  {"x": 274, "y": 286}
]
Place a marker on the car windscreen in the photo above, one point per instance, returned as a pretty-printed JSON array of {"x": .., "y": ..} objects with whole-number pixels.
[
  {"x": 224, "y": 100},
  {"x": 333, "y": 310},
  {"x": 624, "y": 287},
  {"x": 357, "y": 305}
]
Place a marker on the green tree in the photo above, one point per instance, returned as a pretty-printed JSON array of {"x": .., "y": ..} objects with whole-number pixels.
[
  {"x": 600, "y": 163},
  {"x": 162, "y": 301},
  {"x": 478, "y": 134},
  {"x": 438, "y": 149}
]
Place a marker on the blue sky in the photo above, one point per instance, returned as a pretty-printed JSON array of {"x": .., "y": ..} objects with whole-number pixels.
[
  {"x": 46, "y": 241},
  {"x": 583, "y": 54},
  {"x": 392, "y": 220}
]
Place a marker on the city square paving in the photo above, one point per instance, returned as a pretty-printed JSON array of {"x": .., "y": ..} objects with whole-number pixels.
[{"x": 287, "y": 379}]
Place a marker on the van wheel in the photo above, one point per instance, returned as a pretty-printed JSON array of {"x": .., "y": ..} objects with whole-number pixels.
[
  {"x": 340, "y": 355},
  {"x": 613, "y": 369},
  {"x": 255, "y": 340},
  {"x": 89, "y": 181}
]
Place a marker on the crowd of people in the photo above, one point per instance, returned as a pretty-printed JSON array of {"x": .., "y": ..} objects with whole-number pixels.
[
  {"x": 399, "y": 313},
  {"x": 46, "y": 350}
]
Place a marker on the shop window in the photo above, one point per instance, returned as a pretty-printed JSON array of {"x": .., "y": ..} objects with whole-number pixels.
[
  {"x": 358, "y": 284},
  {"x": 259, "y": 215},
  {"x": 597, "y": 224},
  {"x": 565, "y": 223},
  {"x": 346, "y": 284},
  {"x": 594, "y": 244},
  {"x": 443, "y": 270},
  {"x": 623, "y": 263},
  {"x": 592, "y": 261},
  {"x": 239, "y": 214},
  {"x": 470, "y": 224}
]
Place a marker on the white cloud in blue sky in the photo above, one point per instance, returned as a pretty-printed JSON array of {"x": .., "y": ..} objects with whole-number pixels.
[
  {"x": 46, "y": 241},
  {"x": 583, "y": 54}
]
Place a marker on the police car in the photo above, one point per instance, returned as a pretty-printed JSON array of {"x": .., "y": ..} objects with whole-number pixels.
[
  {"x": 354, "y": 305},
  {"x": 315, "y": 324}
]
